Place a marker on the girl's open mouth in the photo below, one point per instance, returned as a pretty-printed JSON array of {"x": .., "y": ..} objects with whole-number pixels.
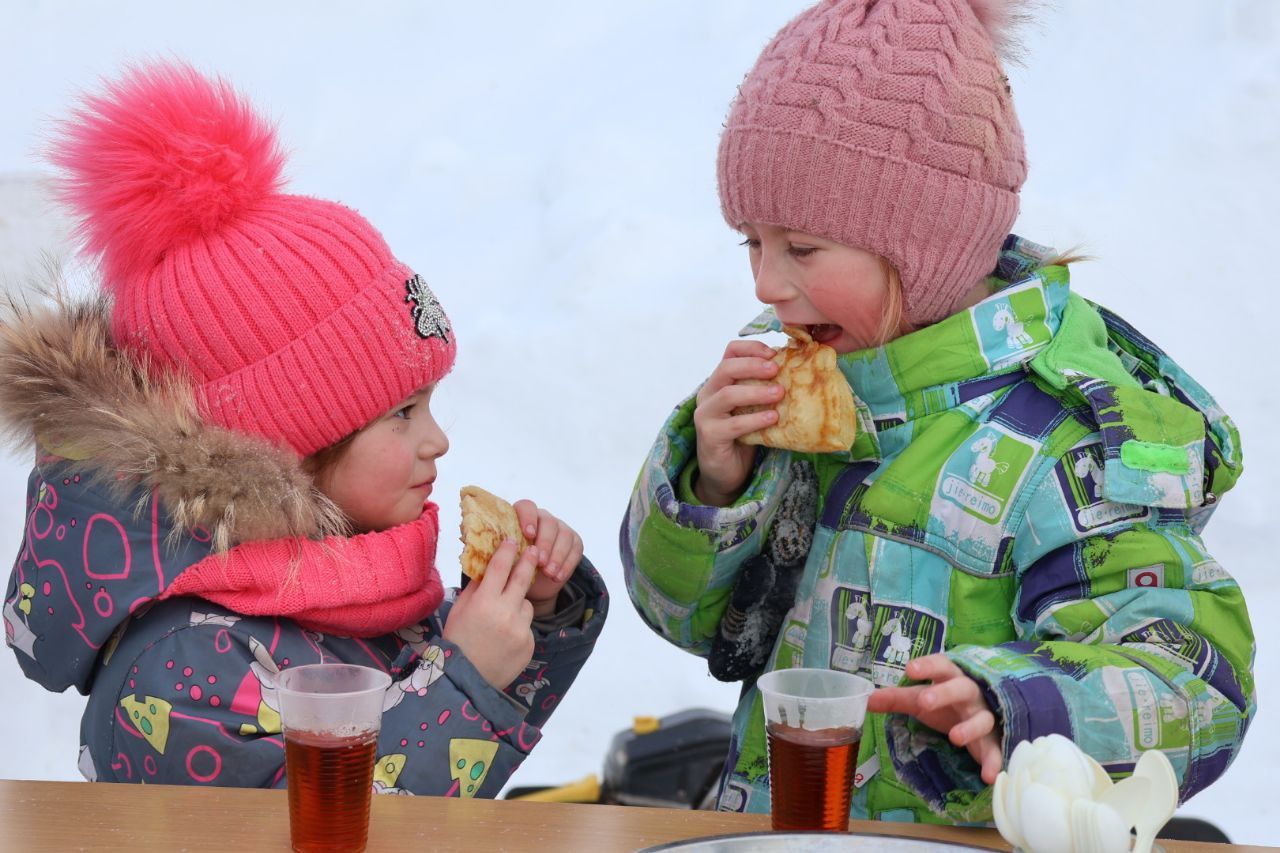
[{"x": 824, "y": 333}]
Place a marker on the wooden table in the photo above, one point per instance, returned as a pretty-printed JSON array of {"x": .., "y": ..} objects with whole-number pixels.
[{"x": 60, "y": 816}]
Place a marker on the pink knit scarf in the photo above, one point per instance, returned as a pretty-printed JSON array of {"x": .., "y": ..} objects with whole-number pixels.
[{"x": 360, "y": 586}]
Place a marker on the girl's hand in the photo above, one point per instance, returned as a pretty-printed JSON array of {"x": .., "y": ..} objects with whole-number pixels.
[
  {"x": 560, "y": 550},
  {"x": 723, "y": 464},
  {"x": 951, "y": 704},
  {"x": 491, "y": 619}
]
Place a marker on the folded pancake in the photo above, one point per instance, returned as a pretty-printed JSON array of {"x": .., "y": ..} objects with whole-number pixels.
[
  {"x": 816, "y": 413},
  {"x": 486, "y": 521}
]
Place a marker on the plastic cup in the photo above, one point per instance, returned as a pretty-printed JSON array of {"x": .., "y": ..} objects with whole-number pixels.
[
  {"x": 331, "y": 714},
  {"x": 813, "y": 720}
]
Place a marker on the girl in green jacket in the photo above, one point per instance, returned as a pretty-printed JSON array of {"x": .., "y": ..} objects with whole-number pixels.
[{"x": 1010, "y": 547}]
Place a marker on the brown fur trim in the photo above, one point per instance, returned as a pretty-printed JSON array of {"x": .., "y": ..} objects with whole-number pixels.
[{"x": 66, "y": 388}]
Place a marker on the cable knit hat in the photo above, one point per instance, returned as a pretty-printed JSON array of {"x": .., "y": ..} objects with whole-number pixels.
[
  {"x": 885, "y": 125},
  {"x": 288, "y": 313}
]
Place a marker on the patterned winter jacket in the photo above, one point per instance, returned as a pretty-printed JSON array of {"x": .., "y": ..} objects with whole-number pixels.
[
  {"x": 181, "y": 691},
  {"x": 1026, "y": 493}
]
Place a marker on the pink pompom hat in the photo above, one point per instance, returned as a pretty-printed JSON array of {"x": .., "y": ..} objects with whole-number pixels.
[
  {"x": 888, "y": 126},
  {"x": 289, "y": 314}
]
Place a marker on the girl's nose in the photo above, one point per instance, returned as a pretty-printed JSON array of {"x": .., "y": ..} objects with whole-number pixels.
[
  {"x": 434, "y": 444},
  {"x": 772, "y": 286}
]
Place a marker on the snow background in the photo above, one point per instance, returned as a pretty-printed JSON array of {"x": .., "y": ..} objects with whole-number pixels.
[{"x": 549, "y": 169}]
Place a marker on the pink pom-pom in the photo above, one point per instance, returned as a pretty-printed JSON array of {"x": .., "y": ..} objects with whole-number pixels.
[
  {"x": 1000, "y": 18},
  {"x": 161, "y": 157}
]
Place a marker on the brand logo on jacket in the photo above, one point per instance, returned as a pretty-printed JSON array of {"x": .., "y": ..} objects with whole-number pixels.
[
  {"x": 852, "y": 627},
  {"x": 1147, "y": 576},
  {"x": 1013, "y": 325},
  {"x": 983, "y": 473},
  {"x": 1080, "y": 479},
  {"x": 900, "y": 634}
]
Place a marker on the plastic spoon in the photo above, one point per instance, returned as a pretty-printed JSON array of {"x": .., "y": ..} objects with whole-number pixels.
[
  {"x": 1154, "y": 768},
  {"x": 1096, "y": 828}
]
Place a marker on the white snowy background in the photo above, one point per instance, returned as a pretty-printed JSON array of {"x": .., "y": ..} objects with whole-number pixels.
[{"x": 549, "y": 169}]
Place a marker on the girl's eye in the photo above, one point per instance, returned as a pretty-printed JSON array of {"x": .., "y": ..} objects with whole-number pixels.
[
  {"x": 750, "y": 244},
  {"x": 801, "y": 251},
  {"x": 403, "y": 413}
]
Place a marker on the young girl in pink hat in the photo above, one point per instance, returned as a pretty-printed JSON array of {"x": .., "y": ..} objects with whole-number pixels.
[
  {"x": 1011, "y": 545},
  {"x": 235, "y": 454}
]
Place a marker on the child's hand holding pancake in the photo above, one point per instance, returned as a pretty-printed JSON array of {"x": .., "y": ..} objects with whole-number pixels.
[
  {"x": 488, "y": 520},
  {"x": 730, "y": 405},
  {"x": 816, "y": 413}
]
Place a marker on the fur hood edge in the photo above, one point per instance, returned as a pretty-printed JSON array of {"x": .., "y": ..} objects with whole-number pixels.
[{"x": 66, "y": 389}]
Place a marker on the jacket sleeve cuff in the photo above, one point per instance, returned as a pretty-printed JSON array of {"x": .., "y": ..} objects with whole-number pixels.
[
  {"x": 583, "y": 611},
  {"x": 684, "y": 484},
  {"x": 1026, "y": 706},
  {"x": 686, "y": 495},
  {"x": 571, "y": 604}
]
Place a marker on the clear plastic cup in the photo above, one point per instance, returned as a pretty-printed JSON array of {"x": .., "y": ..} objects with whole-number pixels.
[
  {"x": 331, "y": 714},
  {"x": 813, "y": 720}
]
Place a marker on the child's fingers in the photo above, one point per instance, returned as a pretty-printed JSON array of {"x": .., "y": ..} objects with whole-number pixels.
[
  {"x": 527, "y": 515},
  {"x": 737, "y": 426},
  {"x": 749, "y": 367},
  {"x": 727, "y": 429},
  {"x": 990, "y": 758},
  {"x": 752, "y": 349},
  {"x": 734, "y": 370},
  {"x": 895, "y": 700},
  {"x": 972, "y": 728},
  {"x": 736, "y": 397},
  {"x": 521, "y": 577},
  {"x": 575, "y": 557},
  {"x": 951, "y": 691},
  {"x": 744, "y": 386},
  {"x": 498, "y": 571},
  {"x": 465, "y": 594},
  {"x": 932, "y": 668},
  {"x": 548, "y": 531},
  {"x": 558, "y": 560}
]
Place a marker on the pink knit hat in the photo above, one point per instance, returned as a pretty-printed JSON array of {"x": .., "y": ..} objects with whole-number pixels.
[
  {"x": 289, "y": 313},
  {"x": 885, "y": 125}
]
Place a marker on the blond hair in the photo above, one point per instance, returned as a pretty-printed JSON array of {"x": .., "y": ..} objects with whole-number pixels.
[
  {"x": 893, "y": 323},
  {"x": 1070, "y": 256}
]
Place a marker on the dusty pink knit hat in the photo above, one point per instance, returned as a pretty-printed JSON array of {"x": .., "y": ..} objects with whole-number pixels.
[
  {"x": 289, "y": 313},
  {"x": 886, "y": 125}
]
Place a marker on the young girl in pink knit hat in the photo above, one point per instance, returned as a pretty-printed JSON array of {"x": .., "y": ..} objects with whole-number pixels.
[
  {"x": 235, "y": 453},
  {"x": 1010, "y": 547}
]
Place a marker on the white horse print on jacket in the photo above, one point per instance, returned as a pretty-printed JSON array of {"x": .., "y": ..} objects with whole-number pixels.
[
  {"x": 857, "y": 613},
  {"x": 1086, "y": 467},
  {"x": 899, "y": 648},
  {"x": 983, "y": 465},
  {"x": 1006, "y": 321}
]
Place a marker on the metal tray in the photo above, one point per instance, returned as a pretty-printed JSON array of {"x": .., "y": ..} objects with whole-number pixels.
[{"x": 805, "y": 842}]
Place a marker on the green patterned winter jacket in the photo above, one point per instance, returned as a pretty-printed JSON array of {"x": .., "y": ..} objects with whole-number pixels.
[{"x": 1026, "y": 493}]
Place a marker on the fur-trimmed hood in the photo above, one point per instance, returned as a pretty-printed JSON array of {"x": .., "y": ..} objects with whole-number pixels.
[{"x": 67, "y": 390}]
